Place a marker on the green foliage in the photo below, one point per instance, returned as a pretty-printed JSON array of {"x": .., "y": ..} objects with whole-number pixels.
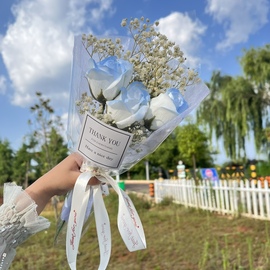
[
  {"x": 177, "y": 238},
  {"x": 6, "y": 161},
  {"x": 166, "y": 201},
  {"x": 166, "y": 156},
  {"x": 255, "y": 64},
  {"x": 40, "y": 151},
  {"x": 263, "y": 168},
  {"x": 56, "y": 148},
  {"x": 50, "y": 148},
  {"x": 141, "y": 203},
  {"x": 22, "y": 166},
  {"x": 243, "y": 111},
  {"x": 213, "y": 107},
  {"x": 137, "y": 172},
  {"x": 185, "y": 143},
  {"x": 238, "y": 106},
  {"x": 233, "y": 110},
  {"x": 266, "y": 140},
  {"x": 193, "y": 146}
]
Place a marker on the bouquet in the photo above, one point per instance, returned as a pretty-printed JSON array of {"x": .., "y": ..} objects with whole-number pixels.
[{"x": 127, "y": 95}]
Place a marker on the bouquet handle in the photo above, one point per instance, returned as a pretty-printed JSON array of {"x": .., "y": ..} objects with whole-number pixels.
[
  {"x": 80, "y": 198},
  {"x": 129, "y": 223}
]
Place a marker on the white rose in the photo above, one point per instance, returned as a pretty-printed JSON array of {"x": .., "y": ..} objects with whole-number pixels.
[
  {"x": 130, "y": 106},
  {"x": 107, "y": 77},
  {"x": 178, "y": 100},
  {"x": 161, "y": 110}
]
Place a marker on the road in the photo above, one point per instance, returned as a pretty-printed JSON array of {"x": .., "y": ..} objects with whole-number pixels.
[{"x": 138, "y": 186}]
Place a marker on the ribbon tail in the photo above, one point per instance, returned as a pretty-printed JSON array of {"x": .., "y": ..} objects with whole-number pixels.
[
  {"x": 103, "y": 228},
  {"x": 80, "y": 198},
  {"x": 128, "y": 220},
  {"x": 136, "y": 239}
]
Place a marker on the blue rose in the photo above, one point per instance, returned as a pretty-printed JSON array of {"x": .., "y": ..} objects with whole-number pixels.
[
  {"x": 107, "y": 77},
  {"x": 178, "y": 99},
  {"x": 130, "y": 106},
  {"x": 164, "y": 108}
]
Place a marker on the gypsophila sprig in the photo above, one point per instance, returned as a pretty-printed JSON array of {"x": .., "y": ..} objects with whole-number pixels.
[
  {"x": 157, "y": 62},
  {"x": 127, "y": 96},
  {"x": 136, "y": 83}
]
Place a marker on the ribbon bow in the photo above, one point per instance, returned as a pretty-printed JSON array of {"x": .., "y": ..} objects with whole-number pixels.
[{"x": 128, "y": 220}]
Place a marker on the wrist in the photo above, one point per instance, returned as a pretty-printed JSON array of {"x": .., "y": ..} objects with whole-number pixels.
[{"x": 41, "y": 192}]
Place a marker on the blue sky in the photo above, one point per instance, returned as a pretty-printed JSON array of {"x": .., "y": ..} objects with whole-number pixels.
[{"x": 36, "y": 40}]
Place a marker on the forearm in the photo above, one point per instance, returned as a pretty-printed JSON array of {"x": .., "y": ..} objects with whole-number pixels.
[
  {"x": 58, "y": 181},
  {"x": 40, "y": 193}
]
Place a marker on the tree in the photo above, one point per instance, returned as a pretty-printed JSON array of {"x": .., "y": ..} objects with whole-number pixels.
[
  {"x": 167, "y": 154},
  {"x": 232, "y": 111},
  {"x": 193, "y": 146},
  {"x": 172, "y": 150},
  {"x": 6, "y": 160},
  {"x": 56, "y": 148},
  {"x": 165, "y": 157},
  {"x": 212, "y": 111},
  {"x": 266, "y": 140},
  {"x": 50, "y": 146},
  {"x": 244, "y": 111},
  {"x": 256, "y": 67},
  {"x": 22, "y": 165}
]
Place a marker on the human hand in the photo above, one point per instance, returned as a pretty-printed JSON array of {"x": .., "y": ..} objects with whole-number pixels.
[
  {"x": 65, "y": 174},
  {"x": 58, "y": 181}
]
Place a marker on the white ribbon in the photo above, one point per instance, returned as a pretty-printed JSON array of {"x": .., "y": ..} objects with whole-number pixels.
[
  {"x": 128, "y": 220},
  {"x": 129, "y": 223},
  {"x": 80, "y": 198},
  {"x": 103, "y": 228}
]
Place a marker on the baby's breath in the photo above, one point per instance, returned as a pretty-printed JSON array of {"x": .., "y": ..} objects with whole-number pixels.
[{"x": 157, "y": 62}]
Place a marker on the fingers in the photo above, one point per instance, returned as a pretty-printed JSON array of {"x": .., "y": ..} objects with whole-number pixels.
[
  {"x": 77, "y": 158},
  {"x": 78, "y": 161}
]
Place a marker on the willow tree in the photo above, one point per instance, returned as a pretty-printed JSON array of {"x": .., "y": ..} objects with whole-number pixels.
[
  {"x": 256, "y": 66},
  {"x": 243, "y": 112},
  {"x": 266, "y": 141},
  {"x": 212, "y": 112},
  {"x": 232, "y": 111}
]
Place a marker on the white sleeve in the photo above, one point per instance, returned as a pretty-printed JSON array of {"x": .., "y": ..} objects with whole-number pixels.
[{"x": 18, "y": 221}]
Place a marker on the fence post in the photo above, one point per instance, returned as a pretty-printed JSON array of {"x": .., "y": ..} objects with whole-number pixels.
[
  {"x": 244, "y": 198},
  {"x": 235, "y": 197}
]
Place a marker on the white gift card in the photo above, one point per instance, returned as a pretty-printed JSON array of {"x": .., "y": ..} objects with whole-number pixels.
[{"x": 102, "y": 143}]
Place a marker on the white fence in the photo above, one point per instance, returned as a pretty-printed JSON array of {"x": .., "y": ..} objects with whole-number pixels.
[{"x": 246, "y": 198}]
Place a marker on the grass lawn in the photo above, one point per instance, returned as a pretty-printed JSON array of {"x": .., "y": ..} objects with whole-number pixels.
[{"x": 177, "y": 239}]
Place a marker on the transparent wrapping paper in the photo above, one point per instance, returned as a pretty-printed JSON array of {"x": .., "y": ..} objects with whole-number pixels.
[
  {"x": 193, "y": 96},
  {"x": 127, "y": 93}
]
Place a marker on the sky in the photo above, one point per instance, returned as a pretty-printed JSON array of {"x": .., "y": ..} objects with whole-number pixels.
[{"x": 36, "y": 42}]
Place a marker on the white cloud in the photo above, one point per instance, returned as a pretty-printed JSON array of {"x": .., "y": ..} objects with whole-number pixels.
[
  {"x": 185, "y": 32},
  {"x": 3, "y": 84},
  {"x": 37, "y": 47},
  {"x": 240, "y": 19}
]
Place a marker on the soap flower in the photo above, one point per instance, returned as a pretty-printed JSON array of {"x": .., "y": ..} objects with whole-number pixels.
[
  {"x": 129, "y": 106},
  {"x": 164, "y": 108},
  {"x": 107, "y": 77}
]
